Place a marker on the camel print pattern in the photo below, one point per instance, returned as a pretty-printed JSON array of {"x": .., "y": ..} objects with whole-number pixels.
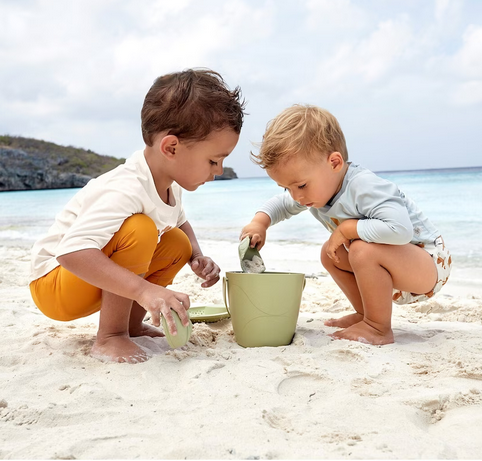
[{"x": 443, "y": 262}]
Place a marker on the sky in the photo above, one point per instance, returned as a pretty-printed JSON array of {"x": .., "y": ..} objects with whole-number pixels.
[{"x": 403, "y": 77}]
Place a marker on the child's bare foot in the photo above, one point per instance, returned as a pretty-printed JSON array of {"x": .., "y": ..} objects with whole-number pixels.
[
  {"x": 345, "y": 321},
  {"x": 365, "y": 333},
  {"x": 118, "y": 349},
  {"x": 144, "y": 329}
]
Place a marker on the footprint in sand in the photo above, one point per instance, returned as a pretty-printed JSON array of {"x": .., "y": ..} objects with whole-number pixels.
[
  {"x": 20, "y": 416},
  {"x": 302, "y": 386},
  {"x": 278, "y": 420},
  {"x": 346, "y": 355},
  {"x": 9, "y": 361},
  {"x": 436, "y": 408},
  {"x": 367, "y": 387},
  {"x": 90, "y": 447},
  {"x": 311, "y": 336},
  {"x": 460, "y": 430},
  {"x": 471, "y": 370}
]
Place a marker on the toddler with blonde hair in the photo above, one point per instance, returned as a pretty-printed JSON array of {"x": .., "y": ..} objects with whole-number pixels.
[{"x": 382, "y": 248}]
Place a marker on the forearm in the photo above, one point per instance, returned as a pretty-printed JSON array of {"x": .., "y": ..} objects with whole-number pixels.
[
  {"x": 281, "y": 207},
  {"x": 189, "y": 231},
  {"x": 96, "y": 268},
  {"x": 390, "y": 232},
  {"x": 262, "y": 219},
  {"x": 348, "y": 229}
]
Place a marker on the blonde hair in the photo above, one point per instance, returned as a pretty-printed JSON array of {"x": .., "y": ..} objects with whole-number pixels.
[{"x": 300, "y": 130}]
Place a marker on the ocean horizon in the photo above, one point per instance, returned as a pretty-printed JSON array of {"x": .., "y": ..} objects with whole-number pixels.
[
  {"x": 422, "y": 170},
  {"x": 449, "y": 197}
]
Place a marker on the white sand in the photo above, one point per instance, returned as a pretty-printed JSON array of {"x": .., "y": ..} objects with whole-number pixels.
[{"x": 317, "y": 398}]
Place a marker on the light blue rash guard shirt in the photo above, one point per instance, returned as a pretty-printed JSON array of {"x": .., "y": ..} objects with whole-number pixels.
[{"x": 385, "y": 214}]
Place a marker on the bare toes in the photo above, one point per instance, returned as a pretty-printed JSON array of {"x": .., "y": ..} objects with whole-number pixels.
[
  {"x": 345, "y": 321},
  {"x": 336, "y": 335}
]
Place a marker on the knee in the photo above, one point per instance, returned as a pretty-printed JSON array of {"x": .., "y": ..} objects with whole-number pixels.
[
  {"x": 142, "y": 227},
  {"x": 360, "y": 252}
]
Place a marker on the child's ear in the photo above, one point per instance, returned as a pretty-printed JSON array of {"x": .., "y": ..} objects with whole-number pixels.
[
  {"x": 168, "y": 145},
  {"x": 336, "y": 161}
]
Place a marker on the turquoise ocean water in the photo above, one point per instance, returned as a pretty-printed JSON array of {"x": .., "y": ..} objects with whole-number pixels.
[{"x": 451, "y": 199}]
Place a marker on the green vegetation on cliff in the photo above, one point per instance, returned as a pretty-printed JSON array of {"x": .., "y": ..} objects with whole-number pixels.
[
  {"x": 30, "y": 164},
  {"x": 64, "y": 159}
]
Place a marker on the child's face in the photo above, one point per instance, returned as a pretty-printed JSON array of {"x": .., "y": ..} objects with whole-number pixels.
[
  {"x": 310, "y": 182},
  {"x": 198, "y": 162}
]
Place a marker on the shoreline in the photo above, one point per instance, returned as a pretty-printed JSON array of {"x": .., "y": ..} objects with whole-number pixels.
[
  {"x": 299, "y": 257},
  {"x": 420, "y": 397}
]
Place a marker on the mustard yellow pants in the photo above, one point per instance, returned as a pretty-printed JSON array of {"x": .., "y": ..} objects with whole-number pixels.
[{"x": 61, "y": 295}]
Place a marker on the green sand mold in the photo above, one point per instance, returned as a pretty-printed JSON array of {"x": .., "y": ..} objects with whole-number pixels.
[{"x": 183, "y": 333}]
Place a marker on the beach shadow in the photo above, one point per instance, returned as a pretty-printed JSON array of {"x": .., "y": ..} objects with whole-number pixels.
[
  {"x": 153, "y": 346},
  {"x": 408, "y": 338}
]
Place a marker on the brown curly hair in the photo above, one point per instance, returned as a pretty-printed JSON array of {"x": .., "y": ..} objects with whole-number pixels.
[{"x": 190, "y": 105}]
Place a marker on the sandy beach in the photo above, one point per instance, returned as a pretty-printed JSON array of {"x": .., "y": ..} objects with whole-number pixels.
[{"x": 420, "y": 398}]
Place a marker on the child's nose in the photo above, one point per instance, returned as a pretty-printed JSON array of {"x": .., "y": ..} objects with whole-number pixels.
[{"x": 298, "y": 197}]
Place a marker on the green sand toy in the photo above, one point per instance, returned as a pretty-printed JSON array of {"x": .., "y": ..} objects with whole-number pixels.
[
  {"x": 183, "y": 333},
  {"x": 208, "y": 314},
  {"x": 250, "y": 259},
  {"x": 264, "y": 307}
]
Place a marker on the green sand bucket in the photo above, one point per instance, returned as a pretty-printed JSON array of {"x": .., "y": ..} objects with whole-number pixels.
[{"x": 264, "y": 307}]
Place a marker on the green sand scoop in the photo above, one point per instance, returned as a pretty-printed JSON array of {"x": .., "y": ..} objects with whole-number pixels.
[{"x": 250, "y": 259}]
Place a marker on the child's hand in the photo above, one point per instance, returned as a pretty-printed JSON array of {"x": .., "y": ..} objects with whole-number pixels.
[
  {"x": 336, "y": 240},
  {"x": 207, "y": 269},
  {"x": 256, "y": 229},
  {"x": 257, "y": 232},
  {"x": 158, "y": 300}
]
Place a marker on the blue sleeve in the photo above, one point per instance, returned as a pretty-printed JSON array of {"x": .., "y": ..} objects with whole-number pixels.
[
  {"x": 386, "y": 217},
  {"x": 281, "y": 207}
]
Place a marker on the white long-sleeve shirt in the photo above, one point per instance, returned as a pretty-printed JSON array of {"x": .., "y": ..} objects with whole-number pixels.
[
  {"x": 385, "y": 214},
  {"x": 98, "y": 210}
]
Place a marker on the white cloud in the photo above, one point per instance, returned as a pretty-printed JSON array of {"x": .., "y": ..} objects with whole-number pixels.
[
  {"x": 468, "y": 60},
  {"x": 461, "y": 71},
  {"x": 468, "y": 93},
  {"x": 96, "y": 60},
  {"x": 447, "y": 11},
  {"x": 329, "y": 14},
  {"x": 380, "y": 53},
  {"x": 78, "y": 74},
  {"x": 361, "y": 63}
]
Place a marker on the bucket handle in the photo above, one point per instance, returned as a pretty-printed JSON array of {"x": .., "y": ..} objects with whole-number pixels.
[{"x": 225, "y": 297}]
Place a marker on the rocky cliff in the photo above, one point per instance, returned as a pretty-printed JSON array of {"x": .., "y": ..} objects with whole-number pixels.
[
  {"x": 27, "y": 164},
  {"x": 228, "y": 173}
]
